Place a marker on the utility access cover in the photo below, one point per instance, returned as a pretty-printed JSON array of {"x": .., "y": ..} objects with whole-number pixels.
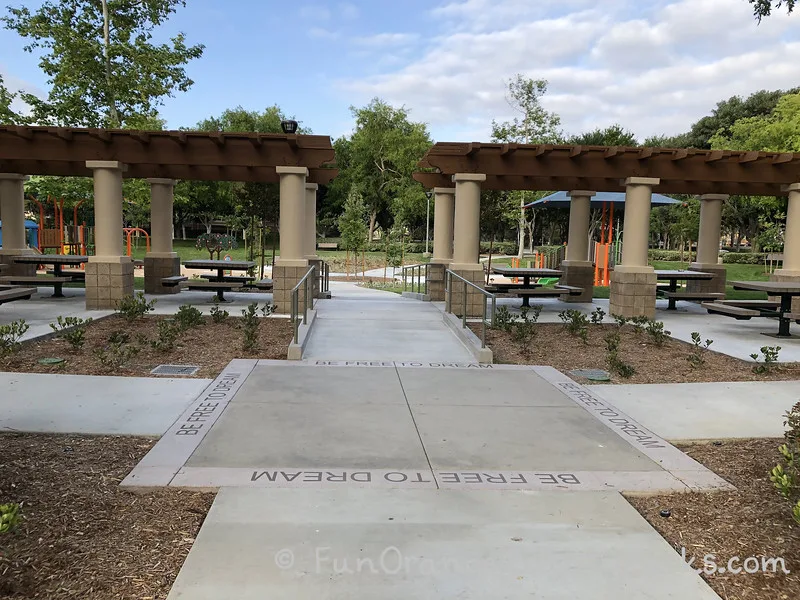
[{"x": 175, "y": 370}]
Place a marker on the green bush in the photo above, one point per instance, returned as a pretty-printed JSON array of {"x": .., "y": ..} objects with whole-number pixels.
[
  {"x": 9, "y": 516},
  {"x": 71, "y": 329},
  {"x": 786, "y": 474},
  {"x": 218, "y": 315},
  {"x": 167, "y": 334},
  {"x": 10, "y": 334},
  {"x": 744, "y": 258},
  {"x": 670, "y": 255},
  {"x": 134, "y": 307},
  {"x": 188, "y": 317},
  {"x": 250, "y": 327}
]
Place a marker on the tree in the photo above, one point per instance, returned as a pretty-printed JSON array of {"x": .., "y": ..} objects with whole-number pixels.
[
  {"x": 535, "y": 125},
  {"x": 9, "y": 116},
  {"x": 778, "y": 131},
  {"x": 614, "y": 135},
  {"x": 763, "y": 8},
  {"x": 102, "y": 64},
  {"x": 352, "y": 225},
  {"x": 384, "y": 151}
]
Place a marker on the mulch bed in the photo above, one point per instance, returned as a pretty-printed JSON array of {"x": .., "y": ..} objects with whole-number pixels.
[
  {"x": 210, "y": 346},
  {"x": 751, "y": 521},
  {"x": 554, "y": 347},
  {"x": 81, "y": 536}
]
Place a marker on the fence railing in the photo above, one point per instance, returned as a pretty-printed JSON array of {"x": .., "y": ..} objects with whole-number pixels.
[
  {"x": 308, "y": 300},
  {"x": 489, "y": 299},
  {"x": 324, "y": 277},
  {"x": 418, "y": 285}
]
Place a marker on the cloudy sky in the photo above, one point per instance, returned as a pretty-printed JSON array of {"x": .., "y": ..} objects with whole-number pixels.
[{"x": 653, "y": 66}]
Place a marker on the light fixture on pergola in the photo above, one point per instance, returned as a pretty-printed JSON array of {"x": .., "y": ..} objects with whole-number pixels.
[{"x": 289, "y": 127}]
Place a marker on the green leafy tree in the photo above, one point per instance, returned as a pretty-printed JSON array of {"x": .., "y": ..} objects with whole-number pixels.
[
  {"x": 383, "y": 153},
  {"x": 614, "y": 135},
  {"x": 533, "y": 125},
  {"x": 9, "y": 116},
  {"x": 103, "y": 66},
  {"x": 764, "y": 8},
  {"x": 352, "y": 224}
]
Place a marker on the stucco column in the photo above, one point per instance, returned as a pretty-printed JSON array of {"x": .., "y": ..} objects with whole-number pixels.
[
  {"x": 467, "y": 221},
  {"x": 576, "y": 268},
  {"x": 107, "y": 208},
  {"x": 791, "y": 244},
  {"x": 12, "y": 212},
  {"x": 636, "y": 227},
  {"x": 633, "y": 283},
  {"x": 311, "y": 220},
  {"x": 443, "y": 225},
  {"x": 161, "y": 261},
  {"x": 292, "y": 264},
  {"x": 710, "y": 228},
  {"x": 109, "y": 273},
  {"x": 578, "y": 241}
]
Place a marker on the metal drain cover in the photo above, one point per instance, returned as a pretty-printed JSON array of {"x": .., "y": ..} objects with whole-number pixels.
[{"x": 175, "y": 370}]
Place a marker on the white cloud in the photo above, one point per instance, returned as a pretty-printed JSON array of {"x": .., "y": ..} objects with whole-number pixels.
[
  {"x": 313, "y": 12},
  {"x": 322, "y": 33},
  {"x": 653, "y": 67},
  {"x": 387, "y": 39},
  {"x": 348, "y": 11},
  {"x": 14, "y": 84}
]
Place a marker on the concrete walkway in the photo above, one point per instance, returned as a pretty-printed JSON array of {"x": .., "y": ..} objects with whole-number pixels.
[
  {"x": 363, "y": 324},
  {"x": 93, "y": 405}
]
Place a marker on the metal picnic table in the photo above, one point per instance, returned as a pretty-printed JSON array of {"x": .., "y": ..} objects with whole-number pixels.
[
  {"x": 221, "y": 266},
  {"x": 58, "y": 261},
  {"x": 526, "y": 274},
  {"x": 674, "y": 276},
  {"x": 785, "y": 290}
]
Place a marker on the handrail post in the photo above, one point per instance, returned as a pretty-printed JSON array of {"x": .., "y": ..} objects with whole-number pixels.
[
  {"x": 464, "y": 314},
  {"x": 494, "y": 309},
  {"x": 483, "y": 325},
  {"x": 448, "y": 297},
  {"x": 404, "y": 278},
  {"x": 305, "y": 301}
]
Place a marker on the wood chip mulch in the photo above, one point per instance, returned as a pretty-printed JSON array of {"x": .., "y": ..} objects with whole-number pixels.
[
  {"x": 82, "y": 536},
  {"x": 553, "y": 346},
  {"x": 210, "y": 346},
  {"x": 753, "y": 521}
]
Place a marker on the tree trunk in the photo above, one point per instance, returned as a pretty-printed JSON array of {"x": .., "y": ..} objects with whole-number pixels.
[
  {"x": 522, "y": 224},
  {"x": 183, "y": 231},
  {"x": 372, "y": 218},
  {"x": 347, "y": 264},
  {"x": 112, "y": 105}
]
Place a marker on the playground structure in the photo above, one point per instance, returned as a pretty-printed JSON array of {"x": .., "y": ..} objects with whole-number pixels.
[{"x": 64, "y": 239}]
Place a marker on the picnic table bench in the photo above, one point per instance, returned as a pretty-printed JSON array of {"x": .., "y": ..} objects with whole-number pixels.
[
  {"x": 9, "y": 294},
  {"x": 262, "y": 284},
  {"x": 57, "y": 283},
  {"x": 74, "y": 274},
  {"x": 220, "y": 287},
  {"x": 744, "y": 310},
  {"x": 173, "y": 280},
  {"x": 671, "y": 293},
  {"x": 219, "y": 283}
]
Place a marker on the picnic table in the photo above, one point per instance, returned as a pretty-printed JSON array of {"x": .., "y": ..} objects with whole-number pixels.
[
  {"x": 784, "y": 290},
  {"x": 219, "y": 282},
  {"x": 672, "y": 293},
  {"x": 59, "y": 276},
  {"x": 529, "y": 288}
]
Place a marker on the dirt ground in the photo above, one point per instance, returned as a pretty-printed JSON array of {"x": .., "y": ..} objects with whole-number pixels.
[
  {"x": 554, "y": 347},
  {"x": 753, "y": 521},
  {"x": 210, "y": 346},
  {"x": 81, "y": 536}
]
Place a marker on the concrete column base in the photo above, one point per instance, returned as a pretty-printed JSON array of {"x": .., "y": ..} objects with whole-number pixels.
[
  {"x": 633, "y": 292},
  {"x": 783, "y": 275},
  {"x": 716, "y": 285},
  {"x": 316, "y": 262},
  {"x": 283, "y": 281},
  {"x": 474, "y": 297},
  {"x": 578, "y": 274},
  {"x": 158, "y": 266},
  {"x": 436, "y": 282},
  {"x": 19, "y": 270},
  {"x": 108, "y": 282}
]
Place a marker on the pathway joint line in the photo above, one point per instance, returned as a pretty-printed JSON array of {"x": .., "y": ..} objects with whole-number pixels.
[{"x": 416, "y": 427}]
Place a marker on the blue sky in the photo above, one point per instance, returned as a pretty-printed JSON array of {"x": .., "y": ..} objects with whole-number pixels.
[{"x": 654, "y": 66}]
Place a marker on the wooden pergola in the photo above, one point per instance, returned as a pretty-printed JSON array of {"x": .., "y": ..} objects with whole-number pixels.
[
  {"x": 300, "y": 163},
  {"x": 458, "y": 171},
  {"x": 218, "y": 156},
  {"x": 604, "y": 169}
]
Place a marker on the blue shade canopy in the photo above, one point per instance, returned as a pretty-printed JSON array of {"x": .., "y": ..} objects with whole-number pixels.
[{"x": 561, "y": 200}]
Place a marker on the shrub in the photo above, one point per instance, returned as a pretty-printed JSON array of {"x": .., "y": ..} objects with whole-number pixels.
[
  {"x": 615, "y": 363},
  {"x": 770, "y": 359},
  {"x": 639, "y": 323},
  {"x": 620, "y": 320},
  {"x": 218, "y": 315},
  {"x": 134, "y": 307},
  {"x": 670, "y": 255},
  {"x": 576, "y": 323},
  {"x": 9, "y": 517},
  {"x": 503, "y": 319},
  {"x": 167, "y": 334},
  {"x": 786, "y": 474},
  {"x": 118, "y": 352},
  {"x": 597, "y": 316},
  {"x": 744, "y": 258},
  {"x": 699, "y": 348},
  {"x": 268, "y": 309},
  {"x": 10, "y": 335},
  {"x": 250, "y": 327},
  {"x": 188, "y": 317},
  {"x": 657, "y": 333},
  {"x": 71, "y": 329}
]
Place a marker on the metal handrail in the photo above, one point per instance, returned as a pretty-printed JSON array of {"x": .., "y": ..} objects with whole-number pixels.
[
  {"x": 416, "y": 274},
  {"x": 487, "y": 296},
  {"x": 308, "y": 299}
]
